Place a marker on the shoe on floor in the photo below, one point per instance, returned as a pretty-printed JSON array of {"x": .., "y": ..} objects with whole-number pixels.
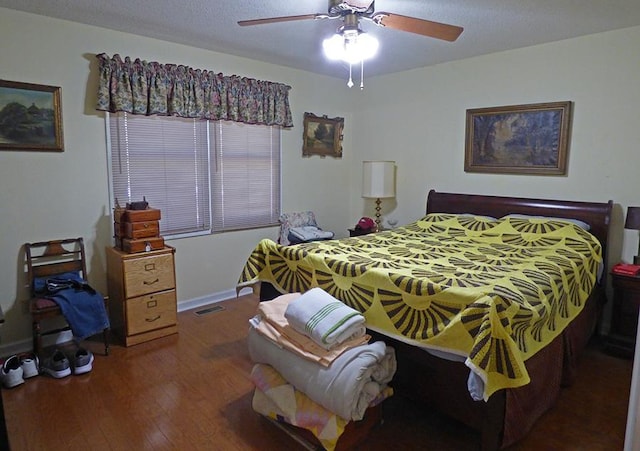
[
  {"x": 30, "y": 365},
  {"x": 11, "y": 374},
  {"x": 82, "y": 361},
  {"x": 56, "y": 365}
]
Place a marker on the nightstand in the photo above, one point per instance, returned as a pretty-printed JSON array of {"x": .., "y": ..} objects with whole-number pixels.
[
  {"x": 624, "y": 318},
  {"x": 359, "y": 232}
]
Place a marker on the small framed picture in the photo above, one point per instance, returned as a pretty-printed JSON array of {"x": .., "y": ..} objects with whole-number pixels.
[
  {"x": 322, "y": 136},
  {"x": 30, "y": 117},
  {"x": 518, "y": 139}
]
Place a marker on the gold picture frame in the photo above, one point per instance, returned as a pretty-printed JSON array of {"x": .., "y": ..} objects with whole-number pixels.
[
  {"x": 30, "y": 117},
  {"x": 518, "y": 139},
  {"x": 322, "y": 136}
]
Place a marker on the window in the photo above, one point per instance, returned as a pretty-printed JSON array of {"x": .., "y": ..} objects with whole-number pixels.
[{"x": 204, "y": 176}]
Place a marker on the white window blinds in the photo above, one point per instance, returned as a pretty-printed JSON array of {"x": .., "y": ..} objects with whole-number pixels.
[
  {"x": 171, "y": 162},
  {"x": 246, "y": 188}
]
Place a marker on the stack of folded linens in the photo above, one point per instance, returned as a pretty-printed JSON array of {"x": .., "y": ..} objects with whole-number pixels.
[{"x": 320, "y": 346}]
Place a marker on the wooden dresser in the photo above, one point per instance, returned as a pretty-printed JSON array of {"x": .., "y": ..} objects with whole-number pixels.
[{"x": 142, "y": 292}]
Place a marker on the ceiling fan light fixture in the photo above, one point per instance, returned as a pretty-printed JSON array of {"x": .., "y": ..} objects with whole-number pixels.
[{"x": 350, "y": 46}]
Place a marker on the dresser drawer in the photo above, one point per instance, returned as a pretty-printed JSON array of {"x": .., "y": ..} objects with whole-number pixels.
[
  {"x": 153, "y": 311},
  {"x": 137, "y": 230},
  {"x": 148, "y": 275}
]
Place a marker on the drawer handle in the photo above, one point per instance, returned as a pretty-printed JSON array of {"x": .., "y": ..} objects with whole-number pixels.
[
  {"x": 150, "y": 267},
  {"x": 152, "y": 282},
  {"x": 145, "y": 225},
  {"x": 150, "y": 320},
  {"x": 152, "y": 304}
]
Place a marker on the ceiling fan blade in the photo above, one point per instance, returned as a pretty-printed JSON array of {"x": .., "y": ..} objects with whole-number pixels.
[
  {"x": 244, "y": 23},
  {"x": 419, "y": 26}
]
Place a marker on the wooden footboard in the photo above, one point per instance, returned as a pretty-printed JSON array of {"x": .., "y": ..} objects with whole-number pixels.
[
  {"x": 509, "y": 414},
  {"x": 442, "y": 384}
]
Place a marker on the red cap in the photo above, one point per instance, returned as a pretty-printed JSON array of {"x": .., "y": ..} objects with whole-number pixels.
[{"x": 366, "y": 223}]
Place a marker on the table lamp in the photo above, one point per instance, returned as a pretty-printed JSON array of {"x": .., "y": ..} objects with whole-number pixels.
[
  {"x": 633, "y": 223},
  {"x": 378, "y": 182}
]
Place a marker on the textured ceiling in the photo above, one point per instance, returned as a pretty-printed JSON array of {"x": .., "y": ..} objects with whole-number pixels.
[{"x": 489, "y": 26}]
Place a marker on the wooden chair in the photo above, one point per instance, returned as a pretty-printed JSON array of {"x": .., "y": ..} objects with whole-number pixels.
[{"x": 48, "y": 259}]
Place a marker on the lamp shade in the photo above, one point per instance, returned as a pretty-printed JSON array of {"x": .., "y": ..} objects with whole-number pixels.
[
  {"x": 378, "y": 179},
  {"x": 633, "y": 218}
]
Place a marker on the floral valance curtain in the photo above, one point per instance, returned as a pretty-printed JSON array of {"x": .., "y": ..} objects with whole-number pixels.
[{"x": 139, "y": 87}]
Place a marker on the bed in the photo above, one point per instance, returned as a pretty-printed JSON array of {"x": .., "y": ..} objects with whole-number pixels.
[{"x": 478, "y": 303}]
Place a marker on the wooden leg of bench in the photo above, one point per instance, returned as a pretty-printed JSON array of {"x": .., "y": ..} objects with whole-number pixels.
[
  {"x": 105, "y": 335},
  {"x": 37, "y": 338}
]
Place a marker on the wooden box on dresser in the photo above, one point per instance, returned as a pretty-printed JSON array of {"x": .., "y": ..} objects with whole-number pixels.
[{"x": 142, "y": 292}]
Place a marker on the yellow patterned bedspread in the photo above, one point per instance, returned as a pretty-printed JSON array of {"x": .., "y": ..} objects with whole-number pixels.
[{"x": 492, "y": 291}]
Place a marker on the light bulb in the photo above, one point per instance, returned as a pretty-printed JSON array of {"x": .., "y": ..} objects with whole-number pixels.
[
  {"x": 353, "y": 47},
  {"x": 334, "y": 47}
]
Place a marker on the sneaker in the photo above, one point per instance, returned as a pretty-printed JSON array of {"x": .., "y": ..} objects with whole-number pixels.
[
  {"x": 11, "y": 372},
  {"x": 82, "y": 361},
  {"x": 56, "y": 365},
  {"x": 30, "y": 365}
]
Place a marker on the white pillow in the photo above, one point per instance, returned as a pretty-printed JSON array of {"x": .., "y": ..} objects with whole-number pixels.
[
  {"x": 581, "y": 224},
  {"x": 465, "y": 215},
  {"x": 483, "y": 217}
]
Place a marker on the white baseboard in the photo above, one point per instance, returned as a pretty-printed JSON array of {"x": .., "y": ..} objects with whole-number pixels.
[
  {"x": 26, "y": 345},
  {"x": 16, "y": 347},
  {"x": 206, "y": 300}
]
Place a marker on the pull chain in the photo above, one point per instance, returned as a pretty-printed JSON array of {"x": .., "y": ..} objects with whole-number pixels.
[
  {"x": 350, "y": 82},
  {"x": 361, "y": 75}
]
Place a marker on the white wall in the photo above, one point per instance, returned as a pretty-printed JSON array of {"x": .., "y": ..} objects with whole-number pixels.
[
  {"x": 57, "y": 195},
  {"x": 416, "y": 118}
]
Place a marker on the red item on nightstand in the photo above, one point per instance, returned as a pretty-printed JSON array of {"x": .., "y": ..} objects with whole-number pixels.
[{"x": 626, "y": 269}]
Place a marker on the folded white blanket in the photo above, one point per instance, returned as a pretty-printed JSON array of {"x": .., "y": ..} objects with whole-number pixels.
[
  {"x": 346, "y": 388},
  {"x": 324, "y": 319}
]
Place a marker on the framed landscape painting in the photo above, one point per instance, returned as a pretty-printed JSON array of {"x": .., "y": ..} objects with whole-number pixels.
[
  {"x": 518, "y": 139},
  {"x": 30, "y": 117},
  {"x": 322, "y": 136}
]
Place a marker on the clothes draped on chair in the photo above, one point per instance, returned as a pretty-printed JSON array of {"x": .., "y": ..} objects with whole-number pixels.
[
  {"x": 81, "y": 305},
  {"x": 56, "y": 276}
]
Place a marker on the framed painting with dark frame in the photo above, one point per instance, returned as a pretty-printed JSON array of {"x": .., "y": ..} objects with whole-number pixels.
[
  {"x": 518, "y": 139},
  {"x": 30, "y": 117},
  {"x": 322, "y": 136}
]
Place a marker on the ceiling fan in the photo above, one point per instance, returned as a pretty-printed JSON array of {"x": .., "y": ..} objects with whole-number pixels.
[
  {"x": 350, "y": 43},
  {"x": 352, "y": 10}
]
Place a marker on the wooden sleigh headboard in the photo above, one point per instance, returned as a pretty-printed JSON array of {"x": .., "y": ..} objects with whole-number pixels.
[{"x": 596, "y": 214}]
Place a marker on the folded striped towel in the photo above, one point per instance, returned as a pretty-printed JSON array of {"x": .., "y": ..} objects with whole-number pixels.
[{"x": 324, "y": 319}]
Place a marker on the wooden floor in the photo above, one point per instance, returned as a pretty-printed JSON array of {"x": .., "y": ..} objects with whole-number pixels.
[{"x": 192, "y": 391}]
